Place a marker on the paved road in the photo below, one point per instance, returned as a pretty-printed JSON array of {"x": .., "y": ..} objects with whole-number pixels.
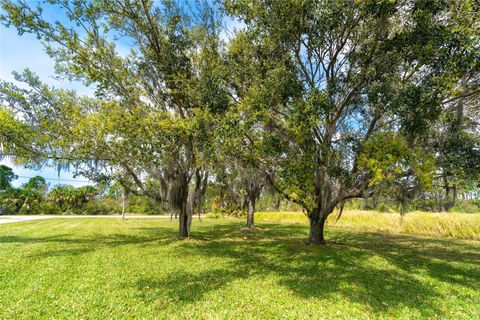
[{"x": 10, "y": 219}]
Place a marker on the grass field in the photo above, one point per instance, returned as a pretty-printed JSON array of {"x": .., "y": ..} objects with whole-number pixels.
[
  {"x": 443, "y": 224},
  {"x": 103, "y": 268}
]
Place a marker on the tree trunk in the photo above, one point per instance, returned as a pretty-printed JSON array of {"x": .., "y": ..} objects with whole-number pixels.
[
  {"x": 454, "y": 195},
  {"x": 459, "y": 115},
  {"x": 124, "y": 199},
  {"x": 317, "y": 224},
  {"x": 242, "y": 202},
  {"x": 179, "y": 201},
  {"x": 251, "y": 210},
  {"x": 184, "y": 223},
  {"x": 276, "y": 205},
  {"x": 124, "y": 202}
]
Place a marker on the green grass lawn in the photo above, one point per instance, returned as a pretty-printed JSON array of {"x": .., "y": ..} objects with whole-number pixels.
[{"x": 105, "y": 268}]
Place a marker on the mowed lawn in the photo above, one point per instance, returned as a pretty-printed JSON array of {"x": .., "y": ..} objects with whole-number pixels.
[{"x": 113, "y": 269}]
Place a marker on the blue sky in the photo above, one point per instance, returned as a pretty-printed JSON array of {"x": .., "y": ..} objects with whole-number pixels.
[
  {"x": 16, "y": 54},
  {"x": 20, "y": 52}
]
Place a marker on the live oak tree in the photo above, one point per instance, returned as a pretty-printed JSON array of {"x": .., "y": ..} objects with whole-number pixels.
[
  {"x": 238, "y": 159},
  {"x": 457, "y": 133},
  {"x": 243, "y": 137},
  {"x": 16, "y": 137},
  {"x": 253, "y": 184},
  {"x": 454, "y": 137},
  {"x": 373, "y": 77},
  {"x": 238, "y": 185},
  {"x": 152, "y": 110},
  {"x": 243, "y": 183},
  {"x": 455, "y": 140},
  {"x": 328, "y": 99},
  {"x": 225, "y": 191}
]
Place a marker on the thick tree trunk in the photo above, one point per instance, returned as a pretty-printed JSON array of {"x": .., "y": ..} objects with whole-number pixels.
[
  {"x": 317, "y": 224},
  {"x": 184, "y": 223},
  {"x": 179, "y": 201},
  {"x": 251, "y": 210}
]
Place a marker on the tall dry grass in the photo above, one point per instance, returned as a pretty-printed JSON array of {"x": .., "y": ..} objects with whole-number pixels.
[{"x": 444, "y": 224}]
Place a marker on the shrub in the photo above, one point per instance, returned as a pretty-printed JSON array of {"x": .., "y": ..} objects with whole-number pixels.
[
  {"x": 8, "y": 208},
  {"x": 49, "y": 208},
  {"x": 141, "y": 205},
  {"x": 97, "y": 208},
  {"x": 383, "y": 207},
  {"x": 33, "y": 208},
  {"x": 226, "y": 212},
  {"x": 466, "y": 207},
  {"x": 216, "y": 213}
]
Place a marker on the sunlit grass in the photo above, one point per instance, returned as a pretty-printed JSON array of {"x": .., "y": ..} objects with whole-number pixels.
[
  {"x": 113, "y": 269},
  {"x": 449, "y": 225}
]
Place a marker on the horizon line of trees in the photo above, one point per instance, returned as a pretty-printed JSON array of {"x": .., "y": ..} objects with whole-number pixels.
[{"x": 37, "y": 197}]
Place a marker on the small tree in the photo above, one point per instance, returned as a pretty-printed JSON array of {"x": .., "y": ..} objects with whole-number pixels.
[
  {"x": 6, "y": 177},
  {"x": 37, "y": 183}
]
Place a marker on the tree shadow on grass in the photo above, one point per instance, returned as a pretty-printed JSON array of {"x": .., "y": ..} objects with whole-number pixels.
[
  {"x": 89, "y": 243},
  {"x": 186, "y": 287},
  {"x": 377, "y": 270},
  {"x": 323, "y": 272},
  {"x": 318, "y": 273},
  {"x": 439, "y": 258},
  {"x": 60, "y": 253},
  {"x": 34, "y": 240}
]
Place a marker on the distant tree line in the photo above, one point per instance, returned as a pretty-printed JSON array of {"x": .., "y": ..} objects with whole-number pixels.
[
  {"x": 35, "y": 197},
  {"x": 221, "y": 200}
]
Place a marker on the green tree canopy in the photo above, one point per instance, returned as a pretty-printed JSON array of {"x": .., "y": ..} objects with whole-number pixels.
[
  {"x": 328, "y": 99},
  {"x": 6, "y": 177},
  {"x": 370, "y": 79},
  {"x": 36, "y": 183},
  {"x": 152, "y": 111}
]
